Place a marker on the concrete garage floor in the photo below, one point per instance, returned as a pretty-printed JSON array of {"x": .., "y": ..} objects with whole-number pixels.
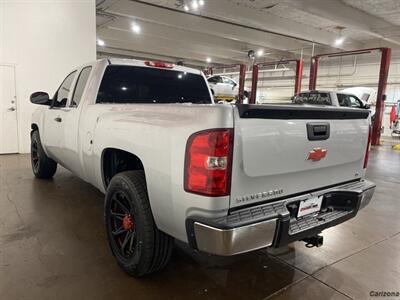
[{"x": 53, "y": 246}]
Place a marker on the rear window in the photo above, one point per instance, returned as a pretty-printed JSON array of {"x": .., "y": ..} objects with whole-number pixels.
[
  {"x": 130, "y": 84},
  {"x": 313, "y": 98}
]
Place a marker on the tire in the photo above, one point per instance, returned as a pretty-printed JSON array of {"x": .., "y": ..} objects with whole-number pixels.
[
  {"x": 43, "y": 167},
  {"x": 135, "y": 241}
]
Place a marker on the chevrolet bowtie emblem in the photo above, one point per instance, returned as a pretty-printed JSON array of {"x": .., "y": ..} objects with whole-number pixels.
[{"x": 317, "y": 154}]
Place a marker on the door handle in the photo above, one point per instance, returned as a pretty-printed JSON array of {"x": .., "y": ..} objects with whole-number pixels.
[
  {"x": 11, "y": 109},
  {"x": 58, "y": 119},
  {"x": 318, "y": 131}
]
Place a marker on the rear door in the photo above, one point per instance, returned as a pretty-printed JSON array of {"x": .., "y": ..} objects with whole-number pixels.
[{"x": 286, "y": 150}]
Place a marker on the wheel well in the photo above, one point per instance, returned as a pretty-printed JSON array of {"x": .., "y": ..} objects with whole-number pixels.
[{"x": 115, "y": 161}]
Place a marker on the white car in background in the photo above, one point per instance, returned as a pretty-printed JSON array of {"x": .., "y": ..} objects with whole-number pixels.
[
  {"x": 224, "y": 88},
  {"x": 364, "y": 93},
  {"x": 332, "y": 98}
]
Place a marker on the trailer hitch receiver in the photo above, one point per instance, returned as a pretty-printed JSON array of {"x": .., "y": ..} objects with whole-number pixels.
[{"x": 314, "y": 241}]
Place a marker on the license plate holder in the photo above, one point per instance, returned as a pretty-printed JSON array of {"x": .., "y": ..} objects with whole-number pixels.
[{"x": 309, "y": 206}]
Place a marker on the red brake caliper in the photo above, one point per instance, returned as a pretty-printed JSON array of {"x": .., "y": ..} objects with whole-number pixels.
[{"x": 127, "y": 222}]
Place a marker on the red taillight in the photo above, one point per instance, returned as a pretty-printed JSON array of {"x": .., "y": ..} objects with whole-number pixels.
[
  {"x": 368, "y": 147},
  {"x": 158, "y": 64},
  {"x": 208, "y": 162}
]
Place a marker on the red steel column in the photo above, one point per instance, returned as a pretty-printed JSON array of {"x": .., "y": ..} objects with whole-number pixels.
[
  {"x": 242, "y": 78},
  {"x": 254, "y": 81},
  {"x": 313, "y": 73},
  {"x": 299, "y": 76},
  {"x": 380, "y": 105}
]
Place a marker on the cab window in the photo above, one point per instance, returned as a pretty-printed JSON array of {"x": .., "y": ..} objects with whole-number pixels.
[
  {"x": 61, "y": 97},
  {"x": 80, "y": 86},
  {"x": 317, "y": 98}
]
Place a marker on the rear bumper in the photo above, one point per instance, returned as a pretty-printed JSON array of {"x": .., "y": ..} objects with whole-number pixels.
[{"x": 275, "y": 224}]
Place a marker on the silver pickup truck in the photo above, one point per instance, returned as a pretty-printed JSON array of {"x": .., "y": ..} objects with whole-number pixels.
[{"x": 226, "y": 179}]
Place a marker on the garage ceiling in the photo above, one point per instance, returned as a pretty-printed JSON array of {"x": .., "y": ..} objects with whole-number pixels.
[{"x": 225, "y": 30}]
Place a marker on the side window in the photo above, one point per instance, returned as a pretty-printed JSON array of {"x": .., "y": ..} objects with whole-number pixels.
[
  {"x": 365, "y": 97},
  {"x": 80, "y": 86},
  {"x": 229, "y": 81},
  {"x": 215, "y": 79},
  {"x": 61, "y": 96},
  {"x": 356, "y": 103},
  {"x": 344, "y": 100}
]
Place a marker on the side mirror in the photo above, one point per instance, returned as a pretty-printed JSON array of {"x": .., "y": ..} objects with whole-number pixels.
[
  {"x": 40, "y": 98},
  {"x": 367, "y": 106}
]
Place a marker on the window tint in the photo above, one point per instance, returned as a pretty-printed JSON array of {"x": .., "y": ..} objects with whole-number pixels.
[
  {"x": 130, "y": 84},
  {"x": 215, "y": 79},
  {"x": 313, "y": 98},
  {"x": 61, "y": 96},
  {"x": 80, "y": 86}
]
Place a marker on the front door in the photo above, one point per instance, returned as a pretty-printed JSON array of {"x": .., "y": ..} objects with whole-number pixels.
[
  {"x": 8, "y": 111},
  {"x": 53, "y": 131}
]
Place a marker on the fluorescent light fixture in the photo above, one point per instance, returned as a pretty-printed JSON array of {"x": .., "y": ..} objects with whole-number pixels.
[
  {"x": 136, "y": 28},
  {"x": 260, "y": 52},
  {"x": 195, "y": 4},
  {"x": 100, "y": 42},
  {"x": 201, "y": 2},
  {"x": 186, "y": 7},
  {"x": 208, "y": 59},
  {"x": 339, "y": 41}
]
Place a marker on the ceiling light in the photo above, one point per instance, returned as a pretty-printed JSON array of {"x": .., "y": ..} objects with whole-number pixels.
[
  {"x": 195, "y": 5},
  {"x": 260, "y": 52},
  {"x": 208, "y": 59},
  {"x": 186, "y": 7},
  {"x": 136, "y": 28},
  {"x": 100, "y": 42},
  {"x": 124, "y": 88},
  {"x": 201, "y": 2},
  {"x": 339, "y": 41}
]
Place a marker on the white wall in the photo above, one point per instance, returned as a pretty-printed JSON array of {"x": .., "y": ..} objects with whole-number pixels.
[{"x": 45, "y": 40}]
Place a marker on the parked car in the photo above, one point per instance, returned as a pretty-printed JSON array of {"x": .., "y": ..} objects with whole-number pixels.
[
  {"x": 366, "y": 94},
  {"x": 226, "y": 179},
  {"x": 333, "y": 98},
  {"x": 224, "y": 88},
  {"x": 330, "y": 98}
]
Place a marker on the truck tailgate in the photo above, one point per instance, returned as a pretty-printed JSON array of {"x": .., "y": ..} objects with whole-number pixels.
[{"x": 286, "y": 150}]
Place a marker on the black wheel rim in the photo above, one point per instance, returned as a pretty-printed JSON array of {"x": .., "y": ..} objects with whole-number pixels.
[
  {"x": 35, "y": 155},
  {"x": 122, "y": 224}
]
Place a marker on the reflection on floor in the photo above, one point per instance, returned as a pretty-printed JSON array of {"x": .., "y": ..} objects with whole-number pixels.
[{"x": 53, "y": 246}]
